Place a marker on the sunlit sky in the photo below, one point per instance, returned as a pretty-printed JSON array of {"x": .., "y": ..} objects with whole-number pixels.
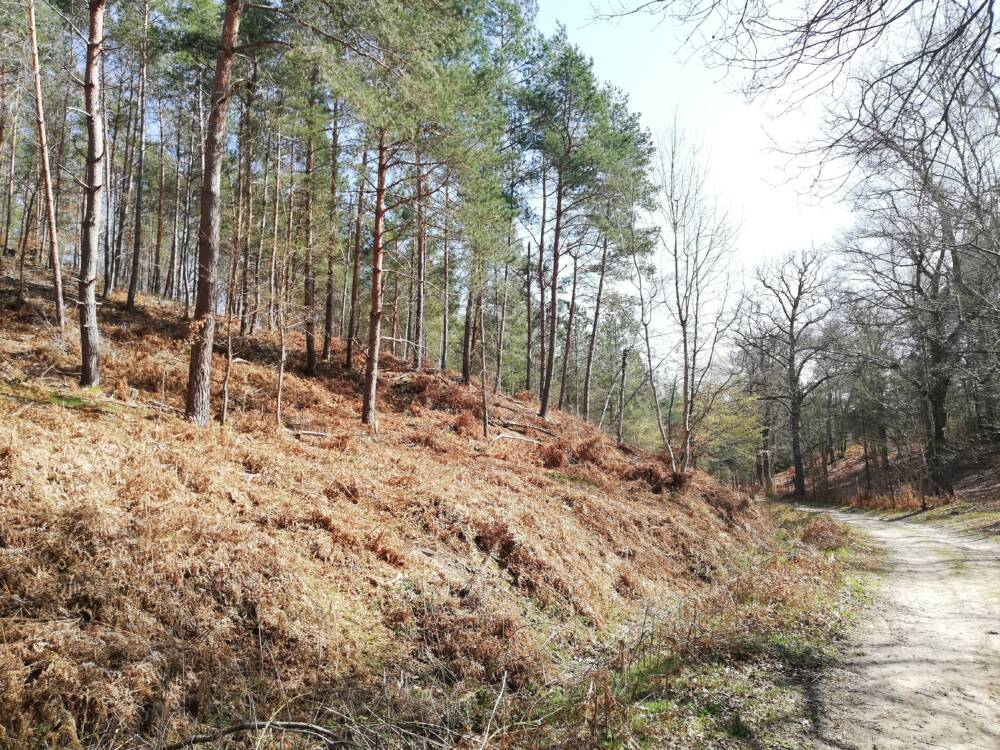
[{"x": 766, "y": 191}]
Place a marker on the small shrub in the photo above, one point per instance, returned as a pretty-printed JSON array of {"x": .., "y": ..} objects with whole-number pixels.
[
  {"x": 553, "y": 455},
  {"x": 824, "y": 533},
  {"x": 466, "y": 424},
  {"x": 590, "y": 450},
  {"x": 425, "y": 440}
]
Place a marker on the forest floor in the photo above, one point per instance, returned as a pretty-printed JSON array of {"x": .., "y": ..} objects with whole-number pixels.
[{"x": 923, "y": 670}]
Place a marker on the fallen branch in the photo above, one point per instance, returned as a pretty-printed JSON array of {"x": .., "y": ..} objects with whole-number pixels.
[
  {"x": 296, "y": 727},
  {"x": 165, "y": 407},
  {"x": 521, "y": 427},
  {"x": 516, "y": 437},
  {"x": 307, "y": 433}
]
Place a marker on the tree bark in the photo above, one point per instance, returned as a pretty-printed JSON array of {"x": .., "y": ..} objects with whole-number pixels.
[
  {"x": 621, "y": 398},
  {"x": 501, "y": 327},
  {"x": 418, "y": 317},
  {"x": 527, "y": 302},
  {"x": 352, "y": 323},
  {"x": 133, "y": 282},
  {"x": 446, "y": 291},
  {"x": 200, "y": 369},
  {"x": 553, "y": 301},
  {"x": 541, "y": 289},
  {"x": 467, "y": 337},
  {"x": 569, "y": 335},
  {"x": 90, "y": 230},
  {"x": 591, "y": 345},
  {"x": 309, "y": 291},
  {"x": 50, "y": 204},
  {"x": 334, "y": 245},
  {"x": 10, "y": 179},
  {"x": 375, "y": 318},
  {"x": 272, "y": 280},
  {"x": 158, "y": 247},
  {"x": 798, "y": 467}
]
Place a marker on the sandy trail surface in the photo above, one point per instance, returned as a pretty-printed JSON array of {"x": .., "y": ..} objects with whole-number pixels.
[{"x": 923, "y": 670}]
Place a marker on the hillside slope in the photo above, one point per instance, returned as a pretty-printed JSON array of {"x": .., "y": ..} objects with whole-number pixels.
[{"x": 157, "y": 578}]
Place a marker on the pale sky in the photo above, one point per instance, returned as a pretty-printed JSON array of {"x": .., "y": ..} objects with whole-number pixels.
[{"x": 770, "y": 199}]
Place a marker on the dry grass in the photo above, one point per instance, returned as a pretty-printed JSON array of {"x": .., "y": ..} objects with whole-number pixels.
[
  {"x": 715, "y": 668},
  {"x": 157, "y": 578}
]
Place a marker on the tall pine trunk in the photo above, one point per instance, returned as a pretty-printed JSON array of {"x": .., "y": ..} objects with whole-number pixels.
[
  {"x": 591, "y": 345},
  {"x": 502, "y": 325},
  {"x": 352, "y": 324},
  {"x": 553, "y": 300},
  {"x": 446, "y": 288},
  {"x": 541, "y": 288},
  {"x": 10, "y": 180},
  {"x": 334, "y": 244},
  {"x": 375, "y": 317},
  {"x": 527, "y": 303},
  {"x": 309, "y": 283},
  {"x": 200, "y": 369},
  {"x": 272, "y": 280},
  {"x": 467, "y": 337},
  {"x": 418, "y": 320},
  {"x": 569, "y": 336},
  {"x": 90, "y": 229},
  {"x": 133, "y": 283},
  {"x": 158, "y": 247},
  {"x": 50, "y": 203}
]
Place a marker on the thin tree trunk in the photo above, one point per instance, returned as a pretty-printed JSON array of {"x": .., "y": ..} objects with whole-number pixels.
[
  {"x": 375, "y": 320},
  {"x": 133, "y": 283},
  {"x": 10, "y": 179},
  {"x": 43, "y": 148},
  {"x": 90, "y": 229},
  {"x": 501, "y": 327},
  {"x": 527, "y": 302},
  {"x": 541, "y": 289},
  {"x": 236, "y": 243},
  {"x": 124, "y": 196},
  {"x": 553, "y": 300},
  {"x": 482, "y": 376},
  {"x": 798, "y": 466},
  {"x": 569, "y": 336},
  {"x": 309, "y": 291},
  {"x": 247, "y": 211},
  {"x": 446, "y": 290},
  {"x": 200, "y": 370},
  {"x": 352, "y": 325},
  {"x": 591, "y": 345},
  {"x": 158, "y": 247},
  {"x": 621, "y": 398},
  {"x": 334, "y": 236},
  {"x": 272, "y": 281},
  {"x": 261, "y": 234},
  {"x": 182, "y": 266},
  {"x": 394, "y": 323},
  {"x": 282, "y": 352},
  {"x": 418, "y": 322},
  {"x": 467, "y": 338}
]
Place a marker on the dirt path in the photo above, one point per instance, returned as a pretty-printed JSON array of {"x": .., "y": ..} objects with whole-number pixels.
[{"x": 923, "y": 671}]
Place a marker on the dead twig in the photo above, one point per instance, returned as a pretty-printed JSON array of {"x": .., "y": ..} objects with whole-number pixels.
[
  {"x": 515, "y": 437},
  {"x": 306, "y": 433},
  {"x": 523, "y": 427}
]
